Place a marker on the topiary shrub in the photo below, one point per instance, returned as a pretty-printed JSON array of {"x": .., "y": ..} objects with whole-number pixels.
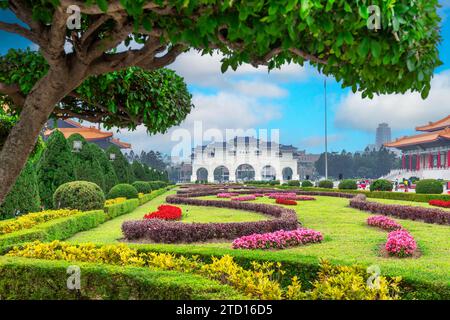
[
  {"x": 24, "y": 195},
  {"x": 429, "y": 186},
  {"x": 123, "y": 190},
  {"x": 307, "y": 184},
  {"x": 326, "y": 184},
  {"x": 81, "y": 195},
  {"x": 381, "y": 185},
  {"x": 348, "y": 184},
  {"x": 55, "y": 167},
  {"x": 293, "y": 183},
  {"x": 142, "y": 186}
]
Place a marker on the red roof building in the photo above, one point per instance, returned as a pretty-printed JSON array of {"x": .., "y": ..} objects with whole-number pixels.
[
  {"x": 92, "y": 134},
  {"x": 428, "y": 150}
]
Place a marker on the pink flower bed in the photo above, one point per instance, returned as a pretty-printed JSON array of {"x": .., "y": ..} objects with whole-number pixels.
[
  {"x": 244, "y": 198},
  {"x": 304, "y": 198},
  {"x": 226, "y": 195},
  {"x": 258, "y": 195},
  {"x": 400, "y": 243},
  {"x": 281, "y": 195},
  {"x": 383, "y": 222},
  {"x": 278, "y": 240}
]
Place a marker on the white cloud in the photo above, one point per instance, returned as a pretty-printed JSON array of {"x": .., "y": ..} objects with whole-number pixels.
[
  {"x": 399, "y": 111},
  {"x": 220, "y": 111}
]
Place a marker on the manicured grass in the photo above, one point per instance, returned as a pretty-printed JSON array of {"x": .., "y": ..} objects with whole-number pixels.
[
  {"x": 347, "y": 240},
  {"x": 111, "y": 230}
]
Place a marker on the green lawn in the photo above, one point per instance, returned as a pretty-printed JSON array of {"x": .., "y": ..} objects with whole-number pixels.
[{"x": 347, "y": 238}]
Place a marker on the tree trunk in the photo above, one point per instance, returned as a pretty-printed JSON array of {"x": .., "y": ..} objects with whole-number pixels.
[{"x": 38, "y": 106}]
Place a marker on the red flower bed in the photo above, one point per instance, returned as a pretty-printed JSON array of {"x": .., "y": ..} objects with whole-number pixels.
[
  {"x": 286, "y": 202},
  {"x": 439, "y": 203},
  {"x": 165, "y": 212}
]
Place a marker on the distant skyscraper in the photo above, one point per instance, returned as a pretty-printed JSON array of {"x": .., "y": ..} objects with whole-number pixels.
[{"x": 383, "y": 134}]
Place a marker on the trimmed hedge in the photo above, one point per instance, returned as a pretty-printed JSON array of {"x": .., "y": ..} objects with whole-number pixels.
[
  {"x": 429, "y": 186},
  {"x": 23, "y": 279},
  {"x": 58, "y": 229},
  {"x": 142, "y": 186},
  {"x": 119, "y": 209},
  {"x": 328, "y": 184},
  {"x": 81, "y": 195},
  {"x": 307, "y": 183},
  {"x": 428, "y": 215},
  {"x": 123, "y": 190},
  {"x": 348, "y": 184},
  {"x": 175, "y": 232},
  {"x": 381, "y": 185}
]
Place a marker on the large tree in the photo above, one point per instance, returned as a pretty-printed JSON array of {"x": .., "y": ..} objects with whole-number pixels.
[{"x": 332, "y": 35}]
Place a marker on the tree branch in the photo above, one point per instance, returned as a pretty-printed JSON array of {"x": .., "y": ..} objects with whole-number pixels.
[
  {"x": 18, "y": 29},
  {"x": 13, "y": 92}
]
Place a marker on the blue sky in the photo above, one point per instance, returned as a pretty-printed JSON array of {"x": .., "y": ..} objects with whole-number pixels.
[{"x": 290, "y": 99}]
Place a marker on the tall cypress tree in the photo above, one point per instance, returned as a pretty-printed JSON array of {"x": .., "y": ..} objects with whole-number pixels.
[
  {"x": 86, "y": 164},
  {"x": 55, "y": 167},
  {"x": 138, "y": 171},
  {"x": 24, "y": 195},
  {"x": 107, "y": 167},
  {"x": 121, "y": 165}
]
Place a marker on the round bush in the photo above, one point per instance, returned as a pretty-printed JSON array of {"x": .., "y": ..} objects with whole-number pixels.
[
  {"x": 123, "y": 190},
  {"x": 381, "y": 185},
  {"x": 307, "y": 184},
  {"x": 293, "y": 183},
  {"x": 348, "y": 184},
  {"x": 142, "y": 186},
  {"x": 429, "y": 186},
  {"x": 326, "y": 184},
  {"x": 81, "y": 195}
]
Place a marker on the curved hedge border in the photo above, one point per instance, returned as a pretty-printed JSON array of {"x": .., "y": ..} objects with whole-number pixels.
[
  {"x": 428, "y": 215},
  {"x": 175, "y": 232},
  {"x": 25, "y": 278}
]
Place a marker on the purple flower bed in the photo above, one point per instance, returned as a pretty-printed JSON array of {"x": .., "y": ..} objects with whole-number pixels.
[
  {"x": 175, "y": 232},
  {"x": 429, "y": 215},
  {"x": 400, "y": 243},
  {"x": 278, "y": 240},
  {"x": 244, "y": 198},
  {"x": 281, "y": 195},
  {"x": 383, "y": 222}
]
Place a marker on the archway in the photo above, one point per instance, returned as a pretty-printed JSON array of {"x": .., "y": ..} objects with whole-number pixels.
[
  {"x": 268, "y": 173},
  {"x": 221, "y": 174},
  {"x": 287, "y": 174},
  {"x": 245, "y": 172},
  {"x": 202, "y": 174}
]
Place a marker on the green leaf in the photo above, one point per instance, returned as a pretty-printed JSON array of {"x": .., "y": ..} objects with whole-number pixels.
[
  {"x": 375, "y": 48},
  {"x": 364, "y": 47},
  {"x": 103, "y": 5}
]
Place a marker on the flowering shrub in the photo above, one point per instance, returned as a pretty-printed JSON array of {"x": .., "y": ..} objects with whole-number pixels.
[
  {"x": 260, "y": 281},
  {"x": 283, "y": 195},
  {"x": 400, "y": 243},
  {"x": 30, "y": 220},
  {"x": 383, "y": 222},
  {"x": 304, "y": 198},
  {"x": 174, "y": 232},
  {"x": 439, "y": 203},
  {"x": 244, "y": 198},
  {"x": 226, "y": 195},
  {"x": 429, "y": 215},
  {"x": 165, "y": 212},
  {"x": 115, "y": 201},
  {"x": 278, "y": 240},
  {"x": 286, "y": 202}
]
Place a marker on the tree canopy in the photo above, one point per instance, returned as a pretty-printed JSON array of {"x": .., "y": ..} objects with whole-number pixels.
[{"x": 334, "y": 36}]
